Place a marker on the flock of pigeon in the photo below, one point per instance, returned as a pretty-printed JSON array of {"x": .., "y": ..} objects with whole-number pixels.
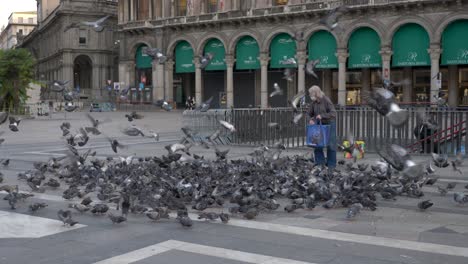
[{"x": 160, "y": 187}]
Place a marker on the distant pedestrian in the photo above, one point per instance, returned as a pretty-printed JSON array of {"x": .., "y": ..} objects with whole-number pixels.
[{"x": 189, "y": 103}]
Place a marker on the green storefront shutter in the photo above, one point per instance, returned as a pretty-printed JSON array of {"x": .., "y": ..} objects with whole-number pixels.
[
  {"x": 455, "y": 43},
  {"x": 282, "y": 47},
  {"x": 364, "y": 47},
  {"x": 247, "y": 54},
  {"x": 184, "y": 58},
  {"x": 322, "y": 46},
  {"x": 142, "y": 61},
  {"x": 216, "y": 47},
  {"x": 409, "y": 45}
]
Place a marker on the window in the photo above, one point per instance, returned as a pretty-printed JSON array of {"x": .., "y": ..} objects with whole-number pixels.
[
  {"x": 31, "y": 20},
  {"x": 142, "y": 9},
  {"x": 20, "y": 20},
  {"x": 181, "y": 7},
  {"x": 83, "y": 34},
  {"x": 20, "y": 32},
  {"x": 157, "y": 9}
]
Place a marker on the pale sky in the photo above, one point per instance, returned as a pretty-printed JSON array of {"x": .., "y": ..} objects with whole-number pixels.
[{"x": 9, "y": 6}]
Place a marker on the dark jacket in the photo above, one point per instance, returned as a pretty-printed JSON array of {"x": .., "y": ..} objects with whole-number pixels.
[{"x": 323, "y": 107}]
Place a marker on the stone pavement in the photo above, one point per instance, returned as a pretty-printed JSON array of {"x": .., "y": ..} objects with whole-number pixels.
[{"x": 397, "y": 232}]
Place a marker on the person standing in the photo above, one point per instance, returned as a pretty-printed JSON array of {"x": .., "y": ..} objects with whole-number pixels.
[{"x": 322, "y": 111}]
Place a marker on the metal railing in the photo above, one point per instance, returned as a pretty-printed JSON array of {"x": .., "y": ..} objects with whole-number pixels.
[{"x": 255, "y": 127}]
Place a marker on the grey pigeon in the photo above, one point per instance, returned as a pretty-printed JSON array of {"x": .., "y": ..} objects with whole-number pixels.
[
  {"x": 155, "y": 53},
  {"x": 310, "y": 67},
  {"x": 460, "y": 198},
  {"x": 353, "y": 211},
  {"x": 66, "y": 217},
  {"x": 383, "y": 101},
  {"x": 37, "y": 206},
  {"x": 116, "y": 219},
  {"x": 332, "y": 18},
  {"x": 185, "y": 221},
  {"x": 14, "y": 124},
  {"x": 206, "y": 59},
  {"x": 276, "y": 90},
  {"x": 288, "y": 75},
  {"x": 425, "y": 205},
  {"x": 205, "y": 105}
]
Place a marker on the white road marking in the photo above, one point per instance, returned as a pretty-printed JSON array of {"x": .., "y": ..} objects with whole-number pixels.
[
  {"x": 14, "y": 225},
  {"x": 159, "y": 248},
  {"x": 347, "y": 237}
]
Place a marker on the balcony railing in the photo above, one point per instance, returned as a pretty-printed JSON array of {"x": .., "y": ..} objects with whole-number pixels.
[{"x": 261, "y": 12}]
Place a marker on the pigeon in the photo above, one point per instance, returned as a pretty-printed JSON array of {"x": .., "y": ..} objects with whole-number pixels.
[
  {"x": 100, "y": 209},
  {"x": 277, "y": 90},
  {"x": 133, "y": 115},
  {"x": 208, "y": 216},
  {"x": 14, "y": 124},
  {"x": 58, "y": 86},
  {"x": 173, "y": 148},
  {"x": 251, "y": 214},
  {"x": 70, "y": 107},
  {"x": 133, "y": 131},
  {"x": 442, "y": 191},
  {"x": 97, "y": 25},
  {"x": 224, "y": 217},
  {"x": 353, "y": 211},
  {"x": 115, "y": 145},
  {"x": 296, "y": 99},
  {"x": 221, "y": 155},
  {"x": 460, "y": 198},
  {"x": 440, "y": 160},
  {"x": 383, "y": 101},
  {"x": 66, "y": 217},
  {"x": 5, "y": 162},
  {"x": 3, "y": 117},
  {"x": 80, "y": 207},
  {"x": 37, "y": 206},
  {"x": 227, "y": 125},
  {"x": 451, "y": 185},
  {"x": 297, "y": 117},
  {"x": 457, "y": 163},
  {"x": 292, "y": 207},
  {"x": 205, "y": 105},
  {"x": 155, "y": 53},
  {"x": 287, "y": 75},
  {"x": 68, "y": 96},
  {"x": 425, "y": 205},
  {"x": 185, "y": 221},
  {"x": 154, "y": 135},
  {"x": 332, "y": 18},
  {"x": 310, "y": 67},
  {"x": 153, "y": 215},
  {"x": 205, "y": 60},
  {"x": 116, "y": 219},
  {"x": 431, "y": 181},
  {"x": 166, "y": 106}
]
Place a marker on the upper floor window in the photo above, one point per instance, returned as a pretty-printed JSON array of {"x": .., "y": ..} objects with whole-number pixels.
[
  {"x": 82, "y": 39},
  {"x": 20, "y": 20},
  {"x": 143, "y": 8},
  {"x": 31, "y": 20},
  {"x": 20, "y": 32},
  {"x": 180, "y": 7}
]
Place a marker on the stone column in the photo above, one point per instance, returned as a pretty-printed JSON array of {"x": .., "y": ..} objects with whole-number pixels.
[
  {"x": 169, "y": 84},
  {"x": 198, "y": 82},
  {"x": 435, "y": 52},
  {"x": 408, "y": 88},
  {"x": 229, "y": 59},
  {"x": 158, "y": 81},
  {"x": 264, "y": 58},
  {"x": 453, "y": 89},
  {"x": 327, "y": 83},
  {"x": 342, "y": 55},
  {"x": 301, "y": 60},
  {"x": 67, "y": 71},
  {"x": 386, "y": 54}
]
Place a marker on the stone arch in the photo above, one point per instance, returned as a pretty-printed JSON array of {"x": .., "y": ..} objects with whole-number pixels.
[
  {"x": 374, "y": 25},
  {"x": 265, "y": 45},
  {"x": 398, "y": 23},
  {"x": 444, "y": 22},
  {"x": 174, "y": 41},
  {"x": 309, "y": 33},
  {"x": 136, "y": 45},
  {"x": 83, "y": 71},
  {"x": 240, "y": 34},
  {"x": 210, "y": 35}
]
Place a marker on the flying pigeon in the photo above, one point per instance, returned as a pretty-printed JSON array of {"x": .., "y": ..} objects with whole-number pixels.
[
  {"x": 227, "y": 125},
  {"x": 58, "y": 86},
  {"x": 205, "y": 60},
  {"x": 14, "y": 124},
  {"x": 70, "y": 107},
  {"x": 440, "y": 160},
  {"x": 133, "y": 115},
  {"x": 205, "y": 105},
  {"x": 297, "y": 117},
  {"x": 383, "y": 101},
  {"x": 287, "y": 74},
  {"x": 155, "y": 53},
  {"x": 115, "y": 144},
  {"x": 331, "y": 19},
  {"x": 277, "y": 90},
  {"x": 310, "y": 67},
  {"x": 296, "y": 99},
  {"x": 97, "y": 25}
]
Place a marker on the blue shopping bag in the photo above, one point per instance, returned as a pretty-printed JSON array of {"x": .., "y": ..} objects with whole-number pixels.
[{"x": 318, "y": 135}]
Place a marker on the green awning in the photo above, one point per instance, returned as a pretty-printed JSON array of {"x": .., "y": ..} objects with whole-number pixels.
[
  {"x": 455, "y": 43},
  {"x": 247, "y": 54},
  {"x": 184, "y": 57},
  {"x": 322, "y": 46},
  {"x": 282, "y": 48},
  {"x": 364, "y": 47},
  {"x": 216, "y": 47},
  {"x": 409, "y": 45},
  {"x": 143, "y": 61}
]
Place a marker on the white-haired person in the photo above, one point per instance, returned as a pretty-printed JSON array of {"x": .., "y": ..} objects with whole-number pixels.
[{"x": 323, "y": 111}]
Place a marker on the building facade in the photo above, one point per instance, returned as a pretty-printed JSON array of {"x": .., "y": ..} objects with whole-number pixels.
[
  {"x": 79, "y": 54},
  {"x": 20, "y": 24},
  {"x": 405, "y": 41}
]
